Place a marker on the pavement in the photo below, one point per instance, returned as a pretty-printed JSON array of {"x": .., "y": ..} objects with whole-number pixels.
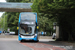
[
  {"x": 62, "y": 44},
  {"x": 8, "y": 36}
]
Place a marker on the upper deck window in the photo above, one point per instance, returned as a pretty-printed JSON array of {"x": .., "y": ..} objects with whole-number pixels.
[{"x": 28, "y": 16}]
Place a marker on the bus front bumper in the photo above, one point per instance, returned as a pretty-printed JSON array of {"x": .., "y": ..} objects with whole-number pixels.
[{"x": 35, "y": 38}]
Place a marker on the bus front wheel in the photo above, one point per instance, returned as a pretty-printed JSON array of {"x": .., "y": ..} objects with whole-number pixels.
[
  {"x": 21, "y": 41},
  {"x": 37, "y": 41}
]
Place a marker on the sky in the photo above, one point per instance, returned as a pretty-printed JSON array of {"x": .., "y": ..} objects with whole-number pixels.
[{"x": 2, "y": 12}]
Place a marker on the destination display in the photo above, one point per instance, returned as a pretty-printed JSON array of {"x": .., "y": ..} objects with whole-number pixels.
[
  {"x": 27, "y": 16},
  {"x": 28, "y": 22}
]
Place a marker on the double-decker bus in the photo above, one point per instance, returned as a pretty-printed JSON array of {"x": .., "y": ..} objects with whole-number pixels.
[{"x": 28, "y": 26}]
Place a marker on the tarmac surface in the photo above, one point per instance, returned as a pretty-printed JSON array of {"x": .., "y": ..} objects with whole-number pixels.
[{"x": 10, "y": 42}]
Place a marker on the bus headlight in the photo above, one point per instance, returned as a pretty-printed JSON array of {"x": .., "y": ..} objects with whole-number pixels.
[
  {"x": 19, "y": 35},
  {"x": 35, "y": 34}
]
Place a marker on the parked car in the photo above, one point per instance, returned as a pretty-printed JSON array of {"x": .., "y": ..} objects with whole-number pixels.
[
  {"x": 11, "y": 33},
  {"x": 4, "y": 31},
  {"x": 42, "y": 33}
]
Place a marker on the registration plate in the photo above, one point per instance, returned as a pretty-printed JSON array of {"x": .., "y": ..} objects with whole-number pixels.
[{"x": 26, "y": 39}]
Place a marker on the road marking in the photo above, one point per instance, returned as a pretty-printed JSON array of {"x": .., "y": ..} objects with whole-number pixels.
[{"x": 50, "y": 48}]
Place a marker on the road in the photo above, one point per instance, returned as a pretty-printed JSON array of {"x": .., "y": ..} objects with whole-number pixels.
[
  {"x": 12, "y": 44},
  {"x": 43, "y": 44}
]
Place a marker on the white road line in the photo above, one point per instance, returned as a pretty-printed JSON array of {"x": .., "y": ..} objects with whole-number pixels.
[{"x": 50, "y": 48}]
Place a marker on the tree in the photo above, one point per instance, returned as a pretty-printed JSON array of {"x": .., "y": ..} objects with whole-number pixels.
[
  {"x": 62, "y": 11},
  {"x": 46, "y": 18},
  {"x": 3, "y": 22}
]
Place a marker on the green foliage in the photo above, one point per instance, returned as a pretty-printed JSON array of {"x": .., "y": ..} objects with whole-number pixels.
[
  {"x": 42, "y": 22},
  {"x": 45, "y": 23},
  {"x": 46, "y": 16},
  {"x": 12, "y": 20},
  {"x": 3, "y": 22},
  {"x": 59, "y": 11}
]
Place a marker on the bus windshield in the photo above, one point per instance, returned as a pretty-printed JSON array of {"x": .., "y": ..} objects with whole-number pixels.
[
  {"x": 27, "y": 30},
  {"x": 27, "y": 24}
]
